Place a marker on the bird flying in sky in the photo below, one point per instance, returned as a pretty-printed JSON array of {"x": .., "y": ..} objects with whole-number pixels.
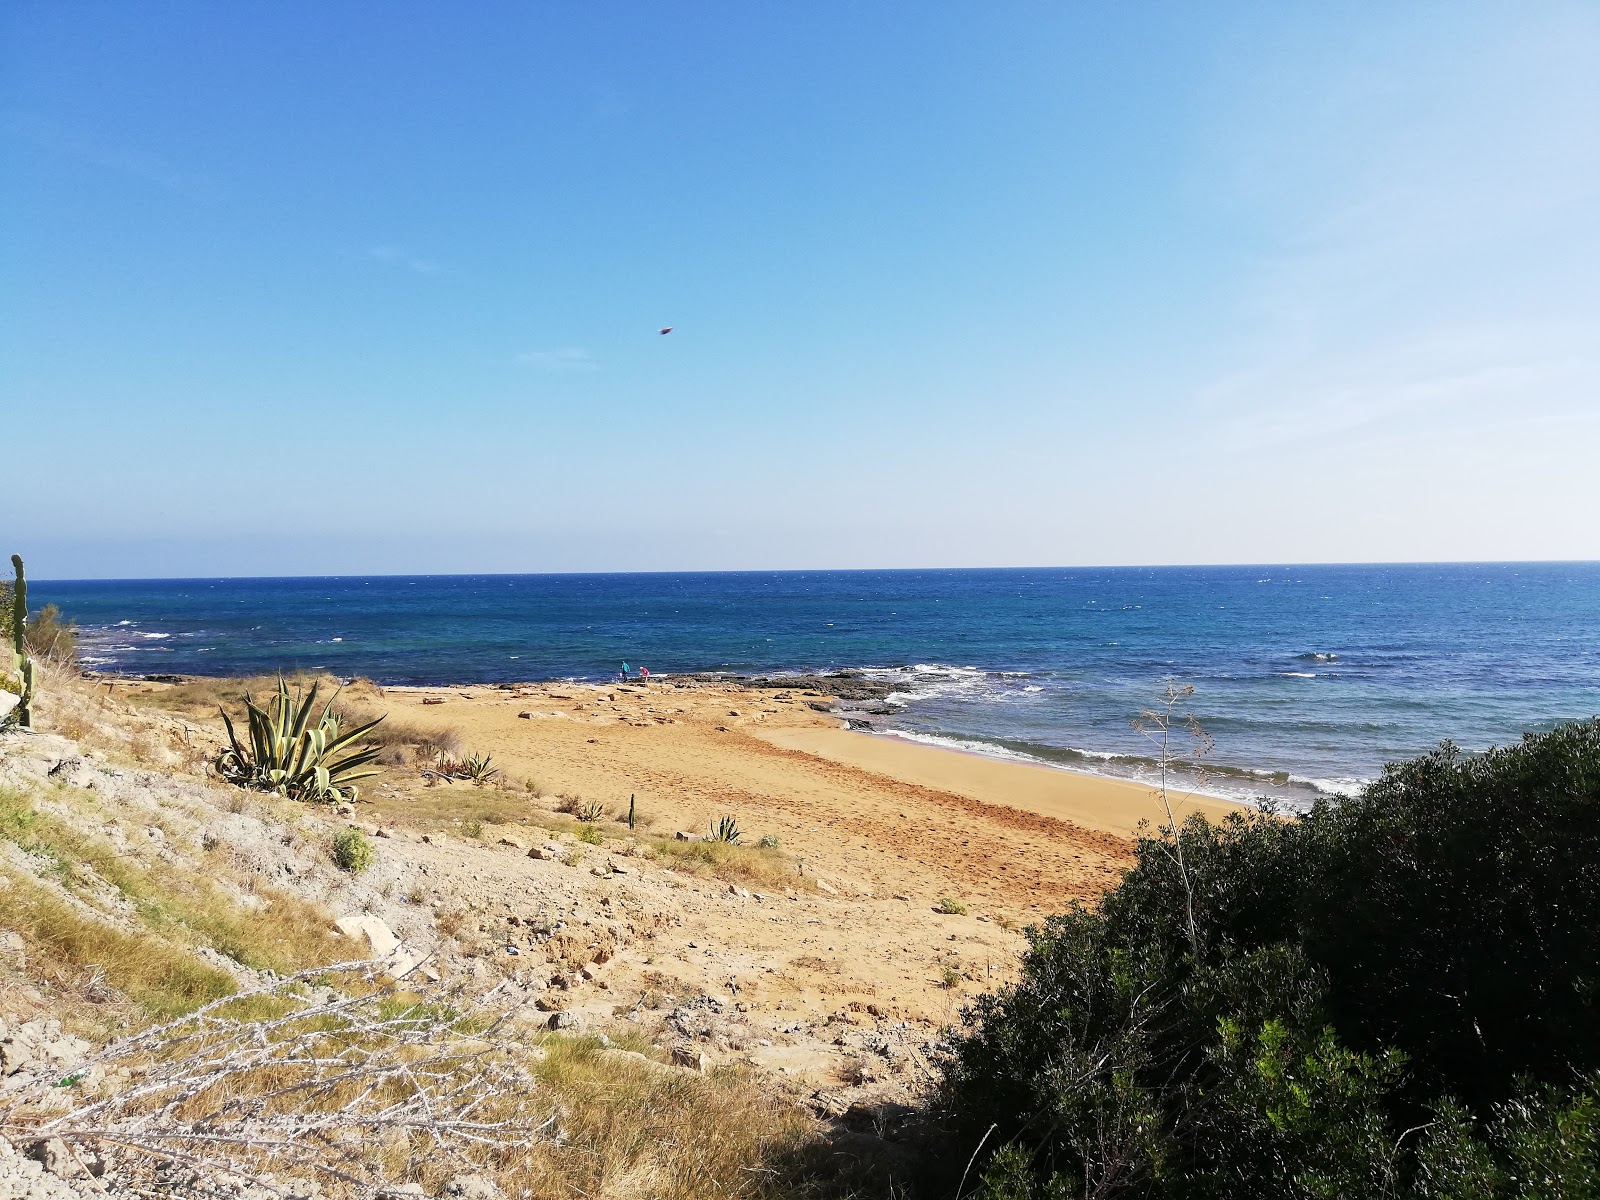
[{"x": 668, "y": 329}]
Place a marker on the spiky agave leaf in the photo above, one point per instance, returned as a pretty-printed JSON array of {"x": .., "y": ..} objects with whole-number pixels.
[{"x": 291, "y": 755}]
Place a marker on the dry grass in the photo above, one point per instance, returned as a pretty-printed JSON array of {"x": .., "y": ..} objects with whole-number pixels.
[
  {"x": 83, "y": 954},
  {"x": 181, "y": 906},
  {"x": 373, "y": 1086},
  {"x": 767, "y": 868},
  {"x": 634, "y": 1129}
]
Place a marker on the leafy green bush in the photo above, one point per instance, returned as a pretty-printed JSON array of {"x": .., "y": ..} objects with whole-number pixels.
[
  {"x": 1397, "y": 994},
  {"x": 950, "y": 907},
  {"x": 591, "y": 835},
  {"x": 352, "y": 851}
]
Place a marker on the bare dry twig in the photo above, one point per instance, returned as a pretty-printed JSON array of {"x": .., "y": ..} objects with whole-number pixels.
[
  {"x": 1162, "y": 724},
  {"x": 323, "y": 1082}
]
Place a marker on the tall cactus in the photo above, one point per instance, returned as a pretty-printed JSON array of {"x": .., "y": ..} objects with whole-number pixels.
[{"x": 21, "y": 663}]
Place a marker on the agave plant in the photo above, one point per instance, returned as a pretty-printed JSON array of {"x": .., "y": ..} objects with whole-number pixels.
[
  {"x": 590, "y": 812},
  {"x": 478, "y": 769},
  {"x": 293, "y": 755},
  {"x": 726, "y": 829}
]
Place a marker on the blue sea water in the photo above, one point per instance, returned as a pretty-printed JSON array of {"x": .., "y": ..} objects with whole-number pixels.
[{"x": 1309, "y": 678}]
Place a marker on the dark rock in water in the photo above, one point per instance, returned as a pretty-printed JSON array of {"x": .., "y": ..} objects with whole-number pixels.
[
  {"x": 843, "y": 685},
  {"x": 854, "y": 723},
  {"x": 166, "y": 678}
]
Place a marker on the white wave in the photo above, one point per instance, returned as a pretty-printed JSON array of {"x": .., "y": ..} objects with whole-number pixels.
[
  {"x": 1298, "y": 674},
  {"x": 1346, "y": 785},
  {"x": 156, "y": 636}
]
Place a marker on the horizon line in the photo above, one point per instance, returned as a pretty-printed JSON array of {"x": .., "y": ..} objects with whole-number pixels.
[{"x": 1496, "y": 562}]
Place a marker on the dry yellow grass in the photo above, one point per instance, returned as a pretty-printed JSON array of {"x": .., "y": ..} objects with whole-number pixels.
[{"x": 83, "y": 955}]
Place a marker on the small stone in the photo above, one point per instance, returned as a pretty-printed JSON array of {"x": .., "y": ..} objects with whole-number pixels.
[
  {"x": 690, "y": 1057},
  {"x": 901, "y": 896},
  {"x": 620, "y": 868},
  {"x": 512, "y": 842},
  {"x": 57, "y": 1160},
  {"x": 686, "y": 837},
  {"x": 565, "y": 1020},
  {"x": 473, "y": 1187},
  {"x": 526, "y": 716}
]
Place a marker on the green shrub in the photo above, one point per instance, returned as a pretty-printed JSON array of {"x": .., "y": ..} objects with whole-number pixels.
[
  {"x": 590, "y": 834},
  {"x": 1397, "y": 994},
  {"x": 352, "y": 851},
  {"x": 950, "y": 906},
  {"x": 769, "y": 841},
  {"x": 725, "y": 829}
]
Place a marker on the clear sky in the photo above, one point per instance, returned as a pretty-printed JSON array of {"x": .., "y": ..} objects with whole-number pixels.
[{"x": 304, "y": 288}]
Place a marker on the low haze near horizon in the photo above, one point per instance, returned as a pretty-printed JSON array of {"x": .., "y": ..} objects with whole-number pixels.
[{"x": 362, "y": 288}]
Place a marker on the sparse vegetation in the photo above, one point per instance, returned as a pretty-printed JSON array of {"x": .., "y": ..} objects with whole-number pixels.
[
  {"x": 477, "y": 769},
  {"x": 950, "y": 907},
  {"x": 472, "y": 828},
  {"x": 590, "y": 834},
  {"x": 177, "y": 909},
  {"x": 769, "y": 841},
  {"x": 729, "y": 861},
  {"x": 293, "y": 755},
  {"x": 352, "y": 851},
  {"x": 725, "y": 829}
]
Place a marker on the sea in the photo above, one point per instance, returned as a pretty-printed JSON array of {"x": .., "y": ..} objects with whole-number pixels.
[{"x": 1306, "y": 679}]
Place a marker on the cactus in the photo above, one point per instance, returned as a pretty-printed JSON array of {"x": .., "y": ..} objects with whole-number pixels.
[{"x": 21, "y": 662}]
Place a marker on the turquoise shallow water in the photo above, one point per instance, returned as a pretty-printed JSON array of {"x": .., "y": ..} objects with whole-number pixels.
[{"x": 1308, "y": 677}]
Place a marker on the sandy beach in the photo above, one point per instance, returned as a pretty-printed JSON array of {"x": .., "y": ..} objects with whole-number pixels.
[
  {"x": 883, "y": 814},
  {"x": 899, "y": 886}
]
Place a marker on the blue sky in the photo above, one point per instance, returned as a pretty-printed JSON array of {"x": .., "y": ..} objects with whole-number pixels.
[{"x": 298, "y": 288}]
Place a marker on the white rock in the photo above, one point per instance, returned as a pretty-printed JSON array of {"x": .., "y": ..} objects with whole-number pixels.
[{"x": 364, "y": 927}]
